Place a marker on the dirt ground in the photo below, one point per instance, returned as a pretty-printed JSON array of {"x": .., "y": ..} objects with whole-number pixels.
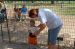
[{"x": 18, "y": 31}]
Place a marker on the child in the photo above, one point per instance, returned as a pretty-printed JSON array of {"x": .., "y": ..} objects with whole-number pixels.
[
  {"x": 23, "y": 11},
  {"x": 32, "y": 39},
  {"x": 2, "y": 17},
  {"x": 17, "y": 12}
]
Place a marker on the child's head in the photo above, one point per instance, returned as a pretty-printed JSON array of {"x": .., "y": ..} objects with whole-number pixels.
[
  {"x": 32, "y": 22},
  {"x": 23, "y": 4}
]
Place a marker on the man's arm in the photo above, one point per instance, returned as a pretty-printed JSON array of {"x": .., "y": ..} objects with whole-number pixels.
[{"x": 41, "y": 26}]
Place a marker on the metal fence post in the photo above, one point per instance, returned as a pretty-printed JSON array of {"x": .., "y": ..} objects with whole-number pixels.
[
  {"x": 8, "y": 32},
  {"x": 74, "y": 45},
  {"x": 62, "y": 4},
  {"x": 2, "y": 33}
]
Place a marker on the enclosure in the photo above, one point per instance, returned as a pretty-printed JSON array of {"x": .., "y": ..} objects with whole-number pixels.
[{"x": 13, "y": 31}]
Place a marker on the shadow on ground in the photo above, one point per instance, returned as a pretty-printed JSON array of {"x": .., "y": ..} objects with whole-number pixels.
[{"x": 14, "y": 45}]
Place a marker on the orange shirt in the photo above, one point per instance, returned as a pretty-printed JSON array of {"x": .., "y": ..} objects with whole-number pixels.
[{"x": 32, "y": 40}]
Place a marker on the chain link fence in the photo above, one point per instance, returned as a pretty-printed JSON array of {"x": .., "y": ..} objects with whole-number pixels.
[{"x": 18, "y": 29}]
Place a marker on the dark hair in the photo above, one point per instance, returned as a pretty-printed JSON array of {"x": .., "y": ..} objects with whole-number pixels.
[{"x": 32, "y": 12}]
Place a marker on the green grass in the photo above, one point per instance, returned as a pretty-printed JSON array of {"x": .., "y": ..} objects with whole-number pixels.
[
  {"x": 68, "y": 9},
  {"x": 71, "y": 4}
]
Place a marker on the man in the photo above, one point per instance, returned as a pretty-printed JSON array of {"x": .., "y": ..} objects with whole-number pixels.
[
  {"x": 17, "y": 12},
  {"x": 53, "y": 22}
]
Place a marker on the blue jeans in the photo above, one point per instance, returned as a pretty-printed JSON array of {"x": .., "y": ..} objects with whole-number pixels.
[{"x": 52, "y": 34}]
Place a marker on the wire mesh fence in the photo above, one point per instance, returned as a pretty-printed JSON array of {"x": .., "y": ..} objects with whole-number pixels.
[{"x": 18, "y": 29}]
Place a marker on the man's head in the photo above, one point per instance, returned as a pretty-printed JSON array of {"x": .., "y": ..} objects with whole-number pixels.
[{"x": 33, "y": 13}]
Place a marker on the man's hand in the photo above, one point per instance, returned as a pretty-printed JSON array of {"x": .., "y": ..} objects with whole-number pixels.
[{"x": 41, "y": 26}]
